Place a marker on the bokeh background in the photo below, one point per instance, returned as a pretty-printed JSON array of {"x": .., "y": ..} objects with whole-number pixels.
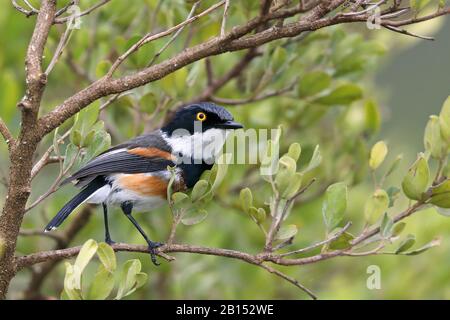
[{"x": 409, "y": 81}]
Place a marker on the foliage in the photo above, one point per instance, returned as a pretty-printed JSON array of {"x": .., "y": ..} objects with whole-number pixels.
[
  {"x": 334, "y": 168},
  {"x": 107, "y": 277}
]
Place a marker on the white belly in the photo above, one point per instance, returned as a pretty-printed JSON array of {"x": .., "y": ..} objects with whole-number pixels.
[{"x": 113, "y": 195}]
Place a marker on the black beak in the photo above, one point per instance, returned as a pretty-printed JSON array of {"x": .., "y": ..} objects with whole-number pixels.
[{"x": 229, "y": 125}]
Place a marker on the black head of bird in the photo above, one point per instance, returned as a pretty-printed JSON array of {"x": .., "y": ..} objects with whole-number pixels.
[{"x": 134, "y": 176}]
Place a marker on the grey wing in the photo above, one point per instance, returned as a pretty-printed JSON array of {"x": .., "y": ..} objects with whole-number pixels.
[{"x": 118, "y": 161}]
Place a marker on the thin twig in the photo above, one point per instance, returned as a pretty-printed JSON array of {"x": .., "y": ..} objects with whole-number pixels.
[
  {"x": 27, "y": 13},
  {"x": 65, "y": 8},
  {"x": 60, "y": 48},
  {"x": 319, "y": 244},
  {"x": 277, "y": 218},
  {"x": 40, "y": 233},
  {"x": 224, "y": 18},
  {"x": 370, "y": 8},
  {"x": 115, "y": 97},
  {"x": 9, "y": 139},
  {"x": 174, "y": 36},
  {"x": 151, "y": 37},
  {"x": 55, "y": 185},
  {"x": 46, "y": 156},
  {"x": 289, "y": 279},
  {"x": 86, "y": 12},
  {"x": 408, "y": 33},
  {"x": 264, "y": 96}
]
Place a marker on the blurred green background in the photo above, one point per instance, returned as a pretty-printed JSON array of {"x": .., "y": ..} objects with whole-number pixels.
[{"x": 409, "y": 81}]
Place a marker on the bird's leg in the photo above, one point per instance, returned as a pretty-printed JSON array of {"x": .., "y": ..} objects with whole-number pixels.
[
  {"x": 127, "y": 208},
  {"x": 105, "y": 216}
]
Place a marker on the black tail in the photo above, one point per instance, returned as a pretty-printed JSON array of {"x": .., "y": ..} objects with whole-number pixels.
[{"x": 62, "y": 215}]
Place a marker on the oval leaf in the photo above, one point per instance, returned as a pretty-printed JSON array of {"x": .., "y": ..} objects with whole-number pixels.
[
  {"x": 377, "y": 154},
  {"x": 416, "y": 180},
  {"x": 335, "y": 204}
]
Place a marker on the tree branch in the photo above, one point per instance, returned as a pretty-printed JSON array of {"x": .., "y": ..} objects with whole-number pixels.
[
  {"x": 9, "y": 139},
  {"x": 86, "y": 12},
  {"x": 151, "y": 37},
  {"x": 256, "y": 259}
]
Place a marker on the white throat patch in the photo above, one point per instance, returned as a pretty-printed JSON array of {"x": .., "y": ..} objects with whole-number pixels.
[{"x": 197, "y": 147}]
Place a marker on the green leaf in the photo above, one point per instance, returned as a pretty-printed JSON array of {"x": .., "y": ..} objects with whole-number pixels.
[
  {"x": 87, "y": 251},
  {"x": 102, "y": 284},
  {"x": 101, "y": 142},
  {"x": 434, "y": 243},
  {"x": 342, "y": 95},
  {"x": 199, "y": 189},
  {"x": 71, "y": 153},
  {"x": 433, "y": 140},
  {"x": 179, "y": 197},
  {"x": 416, "y": 180},
  {"x": 194, "y": 216},
  {"x": 269, "y": 161},
  {"x": 313, "y": 83},
  {"x": 386, "y": 226},
  {"x": 86, "y": 118},
  {"x": 294, "y": 185},
  {"x": 88, "y": 139},
  {"x": 372, "y": 116},
  {"x": 294, "y": 151},
  {"x": 75, "y": 137},
  {"x": 107, "y": 256},
  {"x": 287, "y": 232},
  {"x": 440, "y": 194},
  {"x": 376, "y": 205},
  {"x": 444, "y": 120},
  {"x": 141, "y": 279},
  {"x": 286, "y": 171},
  {"x": 334, "y": 206},
  {"x": 407, "y": 243},
  {"x": 128, "y": 278},
  {"x": 393, "y": 193},
  {"x": 246, "y": 198},
  {"x": 259, "y": 215},
  {"x": 342, "y": 242},
  {"x": 315, "y": 161},
  {"x": 398, "y": 229},
  {"x": 72, "y": 282},
  {"x": 377, "y": 154}
]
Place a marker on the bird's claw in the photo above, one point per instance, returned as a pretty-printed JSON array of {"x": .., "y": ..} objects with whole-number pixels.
[
  {"x": 109, "y": 241},
  {"x": 152, "y": 246}
]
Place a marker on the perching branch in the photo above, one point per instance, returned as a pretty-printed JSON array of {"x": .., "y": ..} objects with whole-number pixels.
[{"x": 256, "y": 259}]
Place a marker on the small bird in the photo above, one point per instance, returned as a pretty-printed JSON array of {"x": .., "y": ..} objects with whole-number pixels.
[{"x": 134, "y": 175}]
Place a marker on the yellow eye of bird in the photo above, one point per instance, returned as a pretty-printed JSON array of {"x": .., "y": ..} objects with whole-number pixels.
[{"x": 201, "y": 116}]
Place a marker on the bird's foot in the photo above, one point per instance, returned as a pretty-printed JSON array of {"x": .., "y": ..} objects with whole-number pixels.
[
  {"x": 152, "y": 246},
  {"x": 109, "y": 241}
]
